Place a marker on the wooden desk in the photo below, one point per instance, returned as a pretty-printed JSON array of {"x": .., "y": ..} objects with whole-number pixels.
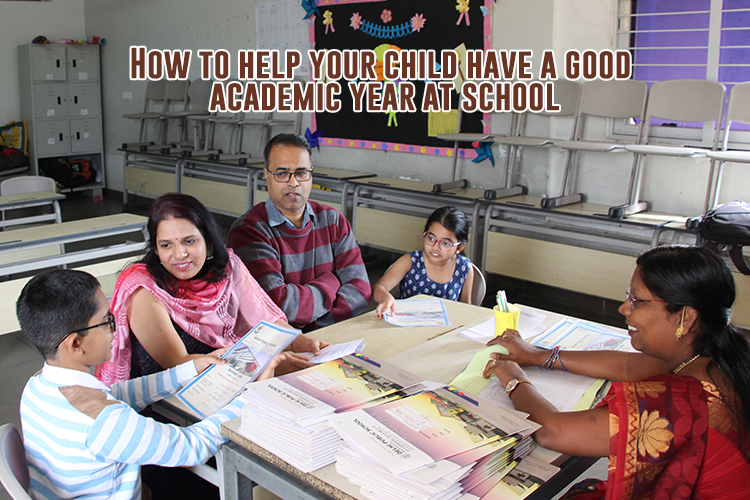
[
  {"x": 26, "y": 200},
  {"x": 105, "y": 272},
  {"x": 437, "y": 354},
  {"x": 17, "y": 247}
]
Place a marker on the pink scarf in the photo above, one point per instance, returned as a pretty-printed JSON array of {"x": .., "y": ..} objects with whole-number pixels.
[{"x": 217, "y": 314}]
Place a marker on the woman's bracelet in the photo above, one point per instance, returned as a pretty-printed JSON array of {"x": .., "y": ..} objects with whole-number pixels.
[{"x": 553, "y": 357}]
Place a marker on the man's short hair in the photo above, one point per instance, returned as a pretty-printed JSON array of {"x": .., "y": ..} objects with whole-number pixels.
[
  {"x": 54, "y": 304},
  {"x": 294, "y": 140}
]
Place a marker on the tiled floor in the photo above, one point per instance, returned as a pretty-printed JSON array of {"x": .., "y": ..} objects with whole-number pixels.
[{"x": 19, "y": 359}]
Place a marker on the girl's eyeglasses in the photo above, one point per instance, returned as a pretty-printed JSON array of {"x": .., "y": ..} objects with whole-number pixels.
[
  {"x": 446, "y": 245},
  {"x": 110, "y": 323}
]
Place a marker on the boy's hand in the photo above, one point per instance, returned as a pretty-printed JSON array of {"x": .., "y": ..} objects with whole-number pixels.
[
  {"x": 203, "y": 362},
  {"x": 86, "y": 400}
]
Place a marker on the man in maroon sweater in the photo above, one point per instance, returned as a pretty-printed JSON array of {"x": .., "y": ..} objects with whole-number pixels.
[{"x": 301, "y": 252}]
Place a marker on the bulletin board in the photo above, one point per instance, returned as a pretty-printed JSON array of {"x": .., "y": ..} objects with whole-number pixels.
[{"x": 408, "y": 24}]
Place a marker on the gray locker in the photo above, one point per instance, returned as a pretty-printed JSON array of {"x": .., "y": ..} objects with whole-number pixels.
[
  {"x": 60, "y": 92},
  {"x": 85, "y": 135},
  {"x": 83, "y": 63},
  {"x": 50, "y": 101},
  {"x": 48, "y": 63},
  {"x": 83, "y": 99},
  {"x": 52, "y": 137}
]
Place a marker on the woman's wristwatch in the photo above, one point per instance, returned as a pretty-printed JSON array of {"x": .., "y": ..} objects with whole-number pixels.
[{"x": 513, "y": 383}]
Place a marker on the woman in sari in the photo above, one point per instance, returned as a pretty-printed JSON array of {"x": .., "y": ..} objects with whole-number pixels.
[
  {"x": 674, "y": 424},
  {"x": 188, "y": 296}
]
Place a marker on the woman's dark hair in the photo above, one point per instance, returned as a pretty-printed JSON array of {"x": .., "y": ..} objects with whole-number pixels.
[
  {"x": 183, "y": 206},
  {"x": 453, "y": 219},
  {"x": 698, "y": 278}
]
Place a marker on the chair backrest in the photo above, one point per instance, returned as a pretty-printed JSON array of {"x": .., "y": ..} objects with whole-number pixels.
[
  {"x": 567, "y": 96},
  {"x": 685, "y": 100},
  {"x": 27, "y": 184},
  {"x": 176, "y": 92},
  {"x": 738, "y": 109},
  {"x": 479, "y": 287},
  {"x": 14, "y": 473},
  {"x": 199, "y": 95},
  {"x": 612, "y": 99},
  {"x": 154, "y": 94}
]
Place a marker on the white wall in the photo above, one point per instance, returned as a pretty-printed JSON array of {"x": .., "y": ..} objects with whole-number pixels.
[
  {"x": 20, "y": 22},
  {"x": 672, "y": 186}
]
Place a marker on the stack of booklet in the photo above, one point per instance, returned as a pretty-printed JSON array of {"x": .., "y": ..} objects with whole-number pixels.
[
  {"x": 288, "y": 415},
  {"x": 440, "y": 444}
]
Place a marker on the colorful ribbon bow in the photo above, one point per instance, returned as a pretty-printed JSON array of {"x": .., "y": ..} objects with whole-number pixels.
[
  {"x": 311, "y": 8},
  {"x": 484, "y": 152},
  {"x": 313, "y": 138}
]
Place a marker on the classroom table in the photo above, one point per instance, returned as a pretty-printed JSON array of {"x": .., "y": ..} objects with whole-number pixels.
[
  {"x": 27, "y": 200},
  {"x": 434, "y": 353},
  {"x": 19, "y": 249}
]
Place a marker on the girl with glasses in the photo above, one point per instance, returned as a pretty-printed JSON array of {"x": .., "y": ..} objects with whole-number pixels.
[{"x": 439, "y": 270}]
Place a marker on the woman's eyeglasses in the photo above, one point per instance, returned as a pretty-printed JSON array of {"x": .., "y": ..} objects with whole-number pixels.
[
  {"x": 282, "y": 176},
  {"x": 632, "y": 301},
  {"x": 446, "y": 245},
  {"x": 110, "y": 323}
]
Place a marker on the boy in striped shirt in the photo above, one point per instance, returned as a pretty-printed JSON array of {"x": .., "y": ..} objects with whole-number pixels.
[{"x": 83, "y": 439}]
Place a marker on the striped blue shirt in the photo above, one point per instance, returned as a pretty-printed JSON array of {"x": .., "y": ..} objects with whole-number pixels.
[{"x": 71, "y": 455}]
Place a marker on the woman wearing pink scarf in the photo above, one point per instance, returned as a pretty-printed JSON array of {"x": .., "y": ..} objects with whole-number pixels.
[{"x": 189, "y": 295}]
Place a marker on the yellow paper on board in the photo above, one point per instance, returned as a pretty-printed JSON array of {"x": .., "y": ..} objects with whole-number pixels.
[{"x": 442, "y": 122}]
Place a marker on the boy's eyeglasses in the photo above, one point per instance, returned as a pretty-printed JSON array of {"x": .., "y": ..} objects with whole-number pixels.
[
  {"x": 632, "y": 301},
  {"x": 446, "y": 245},
  {"x": 282, "y": 176},
  {"x": 110, "y": 322}
]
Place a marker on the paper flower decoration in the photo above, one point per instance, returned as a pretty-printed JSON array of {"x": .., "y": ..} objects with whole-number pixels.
[
  {"x": 484, "y": 152},
  {"x": 355, "y": 21},
  {"x": 463, "y": 7},
  {"x": 310, "y": 8},
  {"x": 328, "y": 21},
  {"x": 386, "y": 16},
  {"x": 417, "y": 22},
  {"x": 313, "y": 138}
]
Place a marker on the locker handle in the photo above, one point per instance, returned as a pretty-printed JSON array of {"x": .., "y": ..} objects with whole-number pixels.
[
  {"x": 61, "y": 136},
  {"x": 58, "y": 63},
  {"x": 74, "y": 63},
  {"x": 58, "y": 100},
  {"x": 78, "y": 136},
  {"x": 75, "y": 99}
]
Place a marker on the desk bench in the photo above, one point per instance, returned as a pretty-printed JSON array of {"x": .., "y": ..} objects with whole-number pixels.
[
  {"x": 105, "y": 272},
  {"x": 20, "y": 249}
]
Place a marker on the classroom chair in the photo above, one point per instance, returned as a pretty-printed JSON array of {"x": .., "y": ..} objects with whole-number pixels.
[
  {"x": 683, "y": 100},
  {"x": 737, "y": 111},
  {"x": 31, "y": 184},
  {"x": 567, "y": 94},
  {"x": 14, "y": 473},
  {"x": 154, "y": 105},
  {"x": 175, "y": 100},
  {"x": 611, "y": 99},
  {"x": 479, "y": 288},
  {"x": 196, "y": 106}
]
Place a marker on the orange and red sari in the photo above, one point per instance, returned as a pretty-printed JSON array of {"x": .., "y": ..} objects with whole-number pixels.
[{"x": 671, "y": 438}]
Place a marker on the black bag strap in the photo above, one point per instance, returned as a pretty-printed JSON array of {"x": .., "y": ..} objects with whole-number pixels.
[{"x": 739, "y": 260}]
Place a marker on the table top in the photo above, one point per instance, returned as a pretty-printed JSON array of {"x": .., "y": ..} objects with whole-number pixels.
[
  {"x": 420, "y": 187},
  {"x": 9, "y": 201},
  {"x": 434, "y": 353},
  {"x": 65, "y": 232}
]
